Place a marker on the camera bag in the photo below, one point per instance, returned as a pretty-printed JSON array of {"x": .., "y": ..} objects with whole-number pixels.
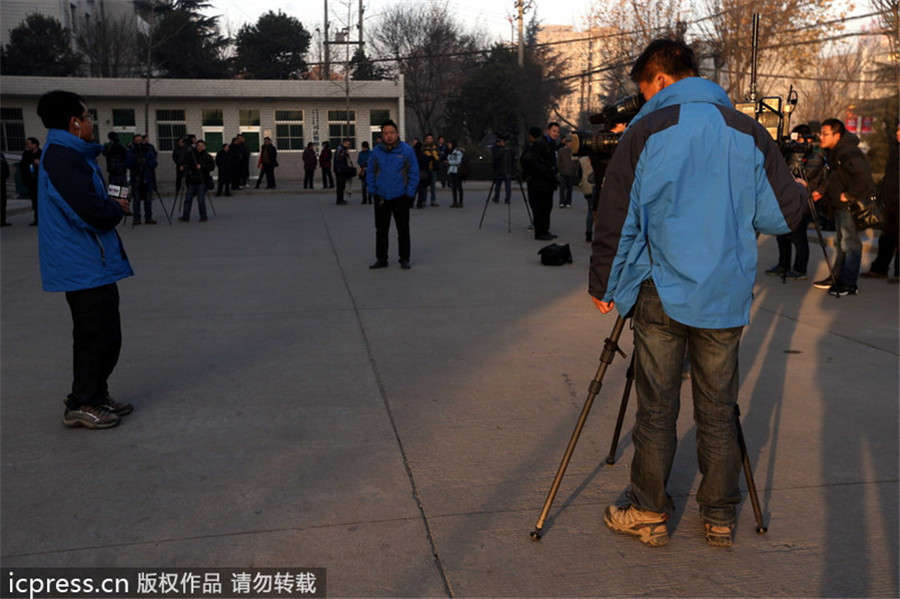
[{"x": 555, "y": 254}]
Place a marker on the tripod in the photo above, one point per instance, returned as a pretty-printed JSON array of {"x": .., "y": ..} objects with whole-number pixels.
[
  {"x": 153, "y": 191},
  {"x": 180, "y": 195},
  {"x": 610, "y": 349},
  {"x": 487, "y": 200}
]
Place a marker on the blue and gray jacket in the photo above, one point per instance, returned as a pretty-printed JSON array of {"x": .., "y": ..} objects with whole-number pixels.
[
  {"x": 78, "y": 243},
  {"x": 393, "y": 173},
  {"x": 690, "y": 184}
]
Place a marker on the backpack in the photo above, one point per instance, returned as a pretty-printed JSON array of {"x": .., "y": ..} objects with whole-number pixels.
[{"x": 555, "y": 254}]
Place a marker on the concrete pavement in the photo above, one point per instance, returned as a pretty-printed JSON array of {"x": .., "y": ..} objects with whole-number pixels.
[{"x": 402, "y": 428}]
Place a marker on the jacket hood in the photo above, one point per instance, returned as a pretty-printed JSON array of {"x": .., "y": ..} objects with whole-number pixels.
[
  {"x": 64, "y": 138},
  {"x": 848, "y": 141},
  {"x": 689, "y": 89}
]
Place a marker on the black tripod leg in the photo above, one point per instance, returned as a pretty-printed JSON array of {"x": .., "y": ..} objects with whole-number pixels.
[
  {"x": 211, "y": 205},
  {"x": 488, "y": 199},
  {"x": 525, "y": 199},
  {"x": 629, "y": 379},
  {"x": 815, "y": 219},
  {"x": 748, "y": 474},
  {"x": 610, "y": 347},
  {"x": 163, "y": 204}
]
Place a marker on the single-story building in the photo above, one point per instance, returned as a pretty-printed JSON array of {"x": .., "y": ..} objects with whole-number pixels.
[{"x": 292, "y": 113}]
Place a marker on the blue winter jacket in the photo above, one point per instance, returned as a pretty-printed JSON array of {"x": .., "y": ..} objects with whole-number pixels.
[
  {"x": 78, "y": 242},
  {"x": 688, "y": 187},
  {"x": 394, "y": 173}
]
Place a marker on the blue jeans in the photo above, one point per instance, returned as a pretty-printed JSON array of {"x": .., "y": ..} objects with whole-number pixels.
[
  {"x": 498, "y": 181},
  {"x": 659, "y": 346},
  {"x": 849, "y": 249},
  {"x": 190, "y": 192}
]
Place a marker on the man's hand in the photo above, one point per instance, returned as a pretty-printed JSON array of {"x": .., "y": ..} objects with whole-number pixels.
[
  {"x": 816, "y": 196},
  {"x": 125, "y": 204},
  {"x": 844, "y": 198},
  {"x": 604, "y": 307}
]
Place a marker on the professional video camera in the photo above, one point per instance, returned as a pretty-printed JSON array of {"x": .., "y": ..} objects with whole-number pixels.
[{"x": 603, "y": 141}]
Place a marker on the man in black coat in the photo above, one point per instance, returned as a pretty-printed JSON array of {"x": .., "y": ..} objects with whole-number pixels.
[
  {"x": 226, "y": 166},
  {"x": 28, "y": 167},
  {"x": 539, "y": 168},
  {"x": 889, "y": 194},
  {"x": 115, "y": 152}
]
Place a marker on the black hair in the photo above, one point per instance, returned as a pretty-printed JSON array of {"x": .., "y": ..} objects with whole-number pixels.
[
  {"x": 535, "y": 132},
  {"x": 835, "y": 125},
  {"x": 57, "y": 107},
  {"x": 35, "y": 141},
  {"x": 365, "y": 144},
  {"x": 553, "y": 124},
  {"x": 670, "y": 57},
  {"x": 803, "y": 131},
  {"x": 389, "y": 123}
]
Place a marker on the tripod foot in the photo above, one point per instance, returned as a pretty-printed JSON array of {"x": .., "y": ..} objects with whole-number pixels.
[
  {"x": 535, "y": 535},
  {"x": 611, "y": 460},
  {"x": 761, "y": 530}
]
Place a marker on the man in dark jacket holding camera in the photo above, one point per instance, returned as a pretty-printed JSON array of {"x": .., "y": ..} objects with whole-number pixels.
[
  {"x": 197, "y": 176},
  {"x": 539, "y": 167},
  {"x": 849, "y": 178},
  {"x": 141, "y": 159}
]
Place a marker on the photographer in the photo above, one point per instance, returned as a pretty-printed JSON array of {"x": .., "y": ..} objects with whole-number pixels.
[
  {"x": 115, "y": 154},
  {"x": 849, "y": 177},
  {"x": 689, "y": 185},
  {"x": 141, "y": 159},
  {"x": 392, "y": 176},
  {"x": 502, "y": 158},
  {"x": 539, "y": 168},
  {"x": 198, "y": 179}
]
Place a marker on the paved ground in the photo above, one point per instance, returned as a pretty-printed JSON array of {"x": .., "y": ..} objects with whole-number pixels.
[{"x": 402, "y": 428}]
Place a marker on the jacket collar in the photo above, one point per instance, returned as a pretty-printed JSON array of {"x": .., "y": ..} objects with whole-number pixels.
[
  {"x": 66, "y": 139},
  {"x": 689, "y": 89}
]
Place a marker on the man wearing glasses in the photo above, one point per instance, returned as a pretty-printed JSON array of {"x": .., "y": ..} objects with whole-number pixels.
[
  {"x": 849, "y": 178},
  {"x": 81, "y": 254}
]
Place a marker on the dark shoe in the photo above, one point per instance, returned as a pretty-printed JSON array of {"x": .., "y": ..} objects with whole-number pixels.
[
  {"x": 405, "y": 265},
  {"x": 184, "y": 219},
  {"x": 873, "y": 275},
  {"x": 90, "y": 417},
  {"x": 589, "y": 237},
  {"x": 32, "y": 224},
  {"x": 826, "y": 283},
  {"x": 203, "y": 219},
  {"x": 136, "y": 223},
  {"x": 434, "y": 205},
  {"x": 545, "y": 237},
  {"x": 341, "y": 203},
  {"x": 378, "y": 264},
  {"x": 149, "y": 221},
  {"x": 842, "y": 290},
  {"x": 775, "y": 271},
  {"x": 117, "y": 408},
  {"x": 5, "y": 224},
  {"x": 648, "y": 527},
  {"x": 894, "y": 280},
  {"x": 718, "y": 535},
  {"x": 793, "y": 275}
]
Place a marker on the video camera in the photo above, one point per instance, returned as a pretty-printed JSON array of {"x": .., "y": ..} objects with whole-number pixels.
[{"x": 603, "y": 141}]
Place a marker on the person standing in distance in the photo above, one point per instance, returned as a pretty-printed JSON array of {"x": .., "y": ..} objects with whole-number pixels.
[
  {"x": 82, "y": 255},
  {"x": 690, "y": 184},
  {"x": 392, "y": 176}
]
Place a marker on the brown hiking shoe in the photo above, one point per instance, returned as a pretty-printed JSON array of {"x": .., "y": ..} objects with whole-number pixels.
[
  {"x": 718, "y": 535},
  {"x": 648, "y": 527},
  {"x": 90, "y": 417}
]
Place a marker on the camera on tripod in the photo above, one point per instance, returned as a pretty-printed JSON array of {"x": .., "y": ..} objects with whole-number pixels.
[{"x": 603, "y": 141}]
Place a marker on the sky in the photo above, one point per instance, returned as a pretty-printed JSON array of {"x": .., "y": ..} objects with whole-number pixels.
[{"x": 488, "y": 15}]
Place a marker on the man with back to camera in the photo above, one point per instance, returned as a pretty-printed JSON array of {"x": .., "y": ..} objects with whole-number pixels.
[
  {"x": 689, "y": 185},
  {"x": 392, "y": 176},
  {"x": 849, "y": 178},
  {"x": 539, "y": 168},
  {"x": 82, "y": 255}
]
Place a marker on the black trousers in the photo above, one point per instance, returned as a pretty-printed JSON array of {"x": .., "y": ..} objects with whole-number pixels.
[
  {"x": 308, "y": 178},
  {"x": 541, "y": 201},
  {"x": 341, "y": 186},
  {"x": 327, "y": 178},
  {"x": 384, "y": 209},
  {"x": 268, "y": 171},
  {"x": 888, "y": 242},
  {"x": 97, "y": 339}
]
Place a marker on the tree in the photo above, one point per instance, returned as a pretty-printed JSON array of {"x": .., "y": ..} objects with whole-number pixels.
[
  {"x": 363, "y": 68},
  {"x": 39, "y": 46},
  {"x": 185, "y": 44},
  {"x": 112, "y": 46},
  {"x": 432, "y": 52},
  {"x": 274, "y": 48}
]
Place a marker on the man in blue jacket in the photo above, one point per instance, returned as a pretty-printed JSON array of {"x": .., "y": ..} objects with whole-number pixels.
[
  {"x": 392, "y": 176},
  {"x": 689, "y": 186},
  {"x": 81, "y": 254}
]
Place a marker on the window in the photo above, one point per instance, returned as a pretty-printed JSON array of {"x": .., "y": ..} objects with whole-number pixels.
[
  {"x": 212, "y": 118},
  {"x": 123, "y": 117},
  {"x": 12, "y": 130},
  {"x": 249, "y": 128},
  {"x": 170, "y": 125},
  {"x": 289, "y": 129},
  {"x": 341, "y": 125},
  {"x": 376, "y": 118},
  {"x": 249, "y": 118}
]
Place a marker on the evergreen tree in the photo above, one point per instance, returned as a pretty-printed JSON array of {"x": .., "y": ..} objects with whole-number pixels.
[{"x": 39, "y": 46}]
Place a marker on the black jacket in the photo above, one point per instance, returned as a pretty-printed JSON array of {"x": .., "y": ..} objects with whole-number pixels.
[
  {"x": 539, "y": 164},
  {"x": 193, "y": 175},
  {"x": 849, "y": 173}
]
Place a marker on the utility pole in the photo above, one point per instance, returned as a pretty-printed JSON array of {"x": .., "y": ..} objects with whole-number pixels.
[
  {"x": 327, "y": 47},
  {"x": 521, "y": 8}
]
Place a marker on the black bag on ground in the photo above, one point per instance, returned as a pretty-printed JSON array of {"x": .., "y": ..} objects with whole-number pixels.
[
  {"x": 867, "y": 212},
  {"x": 555, "y": 254}
]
